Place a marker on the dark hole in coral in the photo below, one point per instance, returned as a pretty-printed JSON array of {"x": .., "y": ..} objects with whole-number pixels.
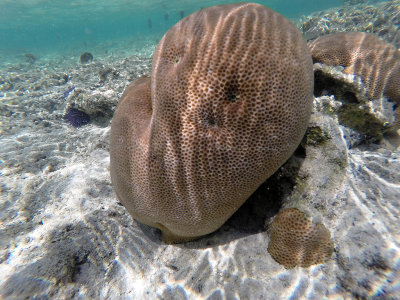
[
  {"x": 231, "y": 92},
  {"x": 349, "y": 97},
  {"x": 209, "y": 119},
  {"x": 326, "y": 85}
]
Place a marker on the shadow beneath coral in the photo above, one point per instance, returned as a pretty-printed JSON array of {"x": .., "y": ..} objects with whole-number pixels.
[{"x": 324, "y": 84}]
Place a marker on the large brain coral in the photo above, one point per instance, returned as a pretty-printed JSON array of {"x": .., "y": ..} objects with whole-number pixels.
[
  {"x": 374, "y": 60},
  {"x": 297, "y": 241},
  {"x": 228, "y": 102}
]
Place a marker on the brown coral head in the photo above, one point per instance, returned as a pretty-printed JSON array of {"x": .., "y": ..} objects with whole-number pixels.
[
  {"x": 366, "y": 55},
  {"x": 297, "y": 241},
  {"x": 228, "y": 102}
]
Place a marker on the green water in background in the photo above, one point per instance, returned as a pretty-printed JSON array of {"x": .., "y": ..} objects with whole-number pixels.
[{"x": 59, "y": 26}]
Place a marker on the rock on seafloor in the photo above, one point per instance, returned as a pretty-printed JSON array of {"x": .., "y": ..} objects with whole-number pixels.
[{"x": 64, "y": 235}]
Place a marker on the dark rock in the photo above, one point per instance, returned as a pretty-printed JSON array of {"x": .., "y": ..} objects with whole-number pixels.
[
  {"x": 103, "y": 74},
  {"x": 86, "y": 58},
  {"x": 30, "y": 58}
]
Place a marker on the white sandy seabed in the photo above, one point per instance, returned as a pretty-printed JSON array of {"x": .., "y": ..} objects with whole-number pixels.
[{"x": 64, "y": 235}]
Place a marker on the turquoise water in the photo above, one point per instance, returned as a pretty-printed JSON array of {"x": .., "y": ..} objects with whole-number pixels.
[{"x": 43, "y": 26}]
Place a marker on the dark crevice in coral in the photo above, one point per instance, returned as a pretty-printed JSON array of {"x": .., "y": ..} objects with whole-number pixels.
[
  {"x": 326, "y": 85},
  {"x": 267, "y": 200},
  {"x": 231, "y": 91},
  {"x": 351, "y": 114},
  {"x": 300, "y": 152}
]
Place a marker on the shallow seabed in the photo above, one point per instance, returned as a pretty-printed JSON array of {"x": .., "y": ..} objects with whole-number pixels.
[{"x": 64, "y": 235}]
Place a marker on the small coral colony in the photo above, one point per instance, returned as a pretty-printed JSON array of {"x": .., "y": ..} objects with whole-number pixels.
[{"x": 192, "y": 142}]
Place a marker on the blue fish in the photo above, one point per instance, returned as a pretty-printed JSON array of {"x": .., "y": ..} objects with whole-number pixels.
[{"x": 68, "y": 91}]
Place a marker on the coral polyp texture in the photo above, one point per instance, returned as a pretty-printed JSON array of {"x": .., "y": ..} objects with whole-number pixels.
[
  {"x": 228, "y": 102},
  {"x": 374, "y": 60},
  {"x": 297, "y": 241}
]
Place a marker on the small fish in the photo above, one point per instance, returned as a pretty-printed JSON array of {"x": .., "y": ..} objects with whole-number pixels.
[{"x": 66, "y": 93}]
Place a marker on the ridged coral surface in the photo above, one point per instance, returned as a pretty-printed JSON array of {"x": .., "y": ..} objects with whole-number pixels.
[
  {"x": 297, "y": 241},
  {"x": 228, "y": 102},
  {"x": 377, "y": 62}
]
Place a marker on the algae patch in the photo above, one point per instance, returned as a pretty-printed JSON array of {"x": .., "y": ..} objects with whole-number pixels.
[
  {"x": 315, "y": 136},
  {"x": 362, "y": 121}
]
